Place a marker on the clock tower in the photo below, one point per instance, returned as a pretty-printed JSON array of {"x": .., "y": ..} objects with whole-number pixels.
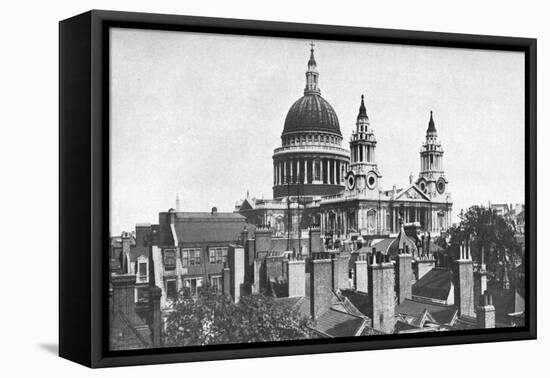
[
  {"x": 363, "y": 176},
  {"x": 431, "y": 179}
]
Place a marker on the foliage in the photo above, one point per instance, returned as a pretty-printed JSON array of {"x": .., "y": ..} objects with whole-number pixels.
[
  {"x": 486, "y": 229},
  {"x": 213, "y": 318}
]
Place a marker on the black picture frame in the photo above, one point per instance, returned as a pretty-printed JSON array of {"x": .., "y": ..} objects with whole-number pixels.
[{"x": 84, "y": 189}]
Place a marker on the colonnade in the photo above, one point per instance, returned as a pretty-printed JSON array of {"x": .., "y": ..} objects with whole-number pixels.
[{"x": 309, "y": 171}]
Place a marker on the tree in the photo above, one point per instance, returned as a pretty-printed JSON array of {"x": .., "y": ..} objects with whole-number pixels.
[
  {"x": 213, "y": 318},
  {"x": 484, "y": 228}
]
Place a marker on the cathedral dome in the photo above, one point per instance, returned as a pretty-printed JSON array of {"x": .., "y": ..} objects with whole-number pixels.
[{"x": 311, "y": 113}]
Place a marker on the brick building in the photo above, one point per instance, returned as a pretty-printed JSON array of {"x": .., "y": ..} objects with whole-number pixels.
[{"x": 192, "y": 249}]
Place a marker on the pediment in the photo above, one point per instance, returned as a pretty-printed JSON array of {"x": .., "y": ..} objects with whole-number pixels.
[
  {"x": 412, "y": 193},
  {"x": 246, "y": 206}
]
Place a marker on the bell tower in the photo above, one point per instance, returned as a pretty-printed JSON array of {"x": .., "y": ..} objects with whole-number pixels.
[
  {"x": 431, "y": 179},
  {"x": 363, "y": 176}
]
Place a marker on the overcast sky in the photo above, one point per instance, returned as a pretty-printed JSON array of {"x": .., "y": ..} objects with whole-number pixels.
[{"x": 200, "y": 115}]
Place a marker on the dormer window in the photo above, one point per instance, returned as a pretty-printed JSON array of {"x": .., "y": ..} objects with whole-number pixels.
[
  {"x": 142, "y": 271},
  {"x": 169, "y": 259},
  {"x": 217, "y": 255},
  {"x": 191, "y": 256}
]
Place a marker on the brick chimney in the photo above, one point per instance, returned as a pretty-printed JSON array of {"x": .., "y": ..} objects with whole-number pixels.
[
  {"x": 425, "y": 260},
  {"x": 340, "y": 271},
  {"x": 262, "y": 237},
  {"x": 226, "y": 281},
  {"x": 127, "y": 266},
  {"x": 123, "y": 293},
  {"x": 464, "y": 281},
  {"x": 257, "y": 285},
  {"x": 296, "y": 278},
  {"x": 156, "y": 317},
  {"x": 361, "y": 276},
  {"x": 235, "y": 262},
  {"x": 381, "y": 284},
  {"x": 480, "y": 277},
  {"x": 404, "y": 274},
  {"x": 485, "y": 311},
  {"x": 315, "y": 243},
  {"x": 320, "y": 286}
]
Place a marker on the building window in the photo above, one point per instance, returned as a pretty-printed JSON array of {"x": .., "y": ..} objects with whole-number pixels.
[
  {"x": 217, "y": 255},
  {"x": 216, "y": 283},
  {"x": 371, "y": 221},
  {"x": 142, "y": 275},
  {"x": 192, "y": 284},
  {"x": 191, "y": 256},
  {"x": 440, "y": 221},
  {"x": 171, "y": 289},
  {"x": 317, "y": 170},
  {"x": 169, "y": 259}
]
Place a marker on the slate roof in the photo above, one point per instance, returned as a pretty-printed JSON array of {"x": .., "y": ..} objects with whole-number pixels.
[
  {"x": 336, "y": 323},
  {"x": 128, "y": 332},
  {"x": 442, "y": 314},
  {"x": 301, "y": 305},
  {"x": 390, "y": 246},
  {"x": 194, "y": 227},
  {"x": 359, "y": 300},
  {"x": 435, "y": 284},
  {"x": 505, "y": 302}
]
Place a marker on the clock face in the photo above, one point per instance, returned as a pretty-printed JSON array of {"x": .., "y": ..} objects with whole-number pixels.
[
  {"x": 350, "y": 181},
  {"x": 441, "y": 186},
  {"x": 371, "y": 180}
]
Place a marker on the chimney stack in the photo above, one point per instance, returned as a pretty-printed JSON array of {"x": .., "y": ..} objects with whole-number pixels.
[
  {"x": 235, "y": 262},
  {"x": 404, "y": 274},
  {"x": 320, "y": 286},
  {"x": 361, "y": 276},
  {"x": 340, "y": 271},
  {"x": 485, "y": 311},
  {"x": 156, "y": 316},
  {"x": 262, "y": 237},
  {"x": 480, "y": 277},
  {"x": 127, "y": 266},
  {"x": 464, "y": 281},
  {"x": 296, "y": 278},
  {"x": 315, "y": 243},
  {"x": 381, "y": 284},
  {"x": 425, "y": 260},
  {"x": 123, "y": 293},
  {"x": 226, "y": 281}
]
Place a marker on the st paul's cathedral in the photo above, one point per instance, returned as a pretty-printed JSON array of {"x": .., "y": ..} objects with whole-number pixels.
[{"x": 317, "y": 181}]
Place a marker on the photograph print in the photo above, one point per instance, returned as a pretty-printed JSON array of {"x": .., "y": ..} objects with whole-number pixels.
[{"x": 267, "y": 189}]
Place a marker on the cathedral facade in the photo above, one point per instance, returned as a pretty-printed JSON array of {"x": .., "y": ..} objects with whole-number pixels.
[{"x": 316, "y": 181}]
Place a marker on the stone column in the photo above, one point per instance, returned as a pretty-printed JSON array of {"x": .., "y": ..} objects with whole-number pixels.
[
  {"x": 305, "y": 171},
  {"x": 321, "y": 178},
  {"x": 334, "y": 172},
  {"x": 284, "y": 172},
  {"x": 298, "y": 171}
]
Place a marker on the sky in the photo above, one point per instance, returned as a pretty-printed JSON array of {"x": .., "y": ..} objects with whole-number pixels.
[{"x": 199, "y": 115}]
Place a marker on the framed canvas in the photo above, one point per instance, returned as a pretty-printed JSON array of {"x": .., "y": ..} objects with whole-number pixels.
[{"x": 235, "y": 188}]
